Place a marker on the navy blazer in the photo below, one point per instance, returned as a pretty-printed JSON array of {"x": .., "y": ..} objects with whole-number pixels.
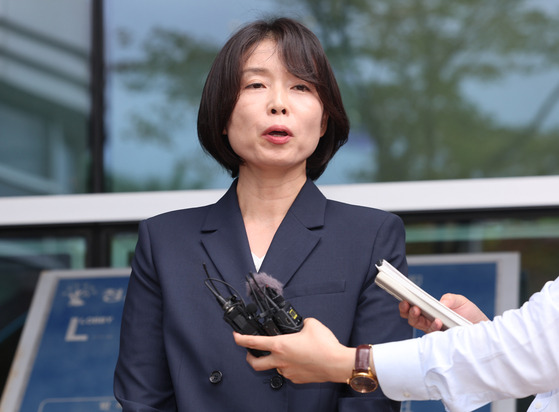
[{"x": 177, "y": 352}]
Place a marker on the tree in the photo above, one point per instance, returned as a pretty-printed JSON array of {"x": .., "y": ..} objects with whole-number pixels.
[
  {"x": 404, "y": 65},
  {"x": 404, "y": 68}
]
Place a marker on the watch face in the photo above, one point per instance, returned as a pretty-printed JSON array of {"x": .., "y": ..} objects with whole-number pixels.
[{"x": 363, "y": 384}]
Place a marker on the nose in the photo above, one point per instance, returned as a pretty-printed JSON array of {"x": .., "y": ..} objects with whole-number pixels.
[
  {"x": 276, "y": 111},
  {"x": 278, "y": 103}
]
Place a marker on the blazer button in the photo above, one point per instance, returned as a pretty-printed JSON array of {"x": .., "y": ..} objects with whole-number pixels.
[
  {"x": 276, "y": 382},
  {"x": 216, "y": 377}
]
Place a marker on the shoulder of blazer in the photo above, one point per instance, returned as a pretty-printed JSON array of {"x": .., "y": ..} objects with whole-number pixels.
[
  {"x": 173, "y": 216},
  {"x": 201, "y": 214},
  {"x": 341, "y": 207}
]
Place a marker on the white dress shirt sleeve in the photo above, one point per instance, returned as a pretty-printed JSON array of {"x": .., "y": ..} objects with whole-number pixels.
[{"x": 514, "y": 356}]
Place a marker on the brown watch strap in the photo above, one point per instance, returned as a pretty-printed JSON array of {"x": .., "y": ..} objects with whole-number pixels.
[{"x": 362, "y": 358}]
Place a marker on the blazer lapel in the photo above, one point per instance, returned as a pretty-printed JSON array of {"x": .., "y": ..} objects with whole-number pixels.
[
  {"x": 224, "y": 239},
  {"x": 294, "y": 239}
]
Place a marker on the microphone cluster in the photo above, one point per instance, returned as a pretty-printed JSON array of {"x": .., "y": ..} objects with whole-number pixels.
[{"x": 268, "y": 314}]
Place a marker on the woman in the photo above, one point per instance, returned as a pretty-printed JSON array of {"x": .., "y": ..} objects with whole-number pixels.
[{"x": 271, "y": 114}]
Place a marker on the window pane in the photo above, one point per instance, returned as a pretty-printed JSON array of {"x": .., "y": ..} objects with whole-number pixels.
[
  {"x": 434, "y": 90},
  {"x": 536, "y": 239},
  {"x": 122, "y": 249},
  {"x": 21, "y": 262},
  {"x": 44, "y": 97}
]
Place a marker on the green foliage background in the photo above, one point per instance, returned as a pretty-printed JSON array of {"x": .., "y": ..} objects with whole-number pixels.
[{"x": 403, "y": 67}]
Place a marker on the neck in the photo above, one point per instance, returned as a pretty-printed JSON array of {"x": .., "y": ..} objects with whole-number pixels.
[
  {"x": 264, "y": 200},
  {"x": 262, "y": 197}
]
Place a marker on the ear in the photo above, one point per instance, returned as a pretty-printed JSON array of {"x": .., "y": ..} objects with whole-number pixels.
[{"x": 323, "y": 124}]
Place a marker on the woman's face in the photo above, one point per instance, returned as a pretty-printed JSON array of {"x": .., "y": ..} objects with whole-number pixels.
[{"x": 278, "y": 119}]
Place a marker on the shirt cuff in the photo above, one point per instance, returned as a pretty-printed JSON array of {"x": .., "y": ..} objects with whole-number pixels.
[{"x": 398, "y": 369}]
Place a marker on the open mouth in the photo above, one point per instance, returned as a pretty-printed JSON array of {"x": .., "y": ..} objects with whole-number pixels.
[{"x": 278, "y": 133}]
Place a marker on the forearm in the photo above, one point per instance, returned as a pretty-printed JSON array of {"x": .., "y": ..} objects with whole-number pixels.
[
  {"x": 466, "y": 367},
  {"x": 340, "y": 364}
]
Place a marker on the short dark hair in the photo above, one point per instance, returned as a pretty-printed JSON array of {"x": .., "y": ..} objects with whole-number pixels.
[{"x": 303, "y": 57}]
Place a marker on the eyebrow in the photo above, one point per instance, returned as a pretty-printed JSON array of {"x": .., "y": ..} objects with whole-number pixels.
[{"x": 255, "y": 70}]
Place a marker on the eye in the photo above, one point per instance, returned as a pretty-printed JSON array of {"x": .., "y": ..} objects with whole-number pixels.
[
  {"x": 254, "y": 86},
  {"x": 302, "y": 88}
]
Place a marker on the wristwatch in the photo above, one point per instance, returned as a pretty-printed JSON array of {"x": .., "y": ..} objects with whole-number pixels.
[{"x": 363, "y": 380}]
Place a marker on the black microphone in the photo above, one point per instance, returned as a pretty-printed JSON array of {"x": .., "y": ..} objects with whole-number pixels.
[
  {"x": 277, "y": 315},
  {"x": 243, "y": 319}
]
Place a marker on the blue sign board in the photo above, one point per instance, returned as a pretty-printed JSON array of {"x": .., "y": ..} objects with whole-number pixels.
[{"x": 72, "y": 361}]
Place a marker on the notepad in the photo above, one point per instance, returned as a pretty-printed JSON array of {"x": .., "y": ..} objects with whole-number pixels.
[{"x": 394, "y": 282}]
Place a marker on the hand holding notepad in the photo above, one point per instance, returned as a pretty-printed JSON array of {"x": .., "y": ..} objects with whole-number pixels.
[{"x": 394, "y": 282}]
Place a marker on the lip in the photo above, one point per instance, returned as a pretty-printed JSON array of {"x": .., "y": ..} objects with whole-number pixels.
[{"x": 275, "y": 138}]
